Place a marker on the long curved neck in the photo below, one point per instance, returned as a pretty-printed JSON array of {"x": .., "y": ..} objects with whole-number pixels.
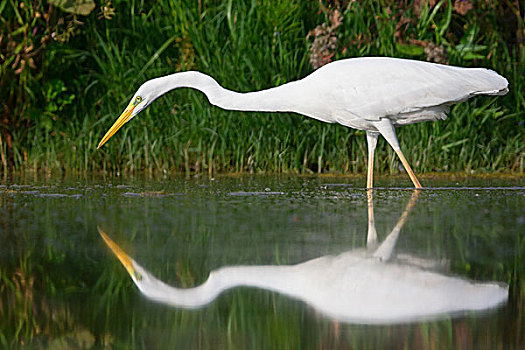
[
  {"x": 278, "y": 99},
  {"x": 267, "y": 277}
]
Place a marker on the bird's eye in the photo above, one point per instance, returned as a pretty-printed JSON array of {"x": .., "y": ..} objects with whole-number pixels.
[
  {"x": 138, "y": 276},
  {"x": 138, "y": 99}
]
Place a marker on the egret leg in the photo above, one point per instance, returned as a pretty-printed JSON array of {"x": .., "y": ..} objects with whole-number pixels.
[
  {"x": 385, "y": 127},
  {"x": 371, "y": 237},
  {"x": 385, "y": 250},
  {"x": 371, "y": 138},
  {"x": 413, "y": 177}
]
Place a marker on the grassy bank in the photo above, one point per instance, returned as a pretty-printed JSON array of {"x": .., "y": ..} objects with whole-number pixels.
[{"x": 66, "y": 77}]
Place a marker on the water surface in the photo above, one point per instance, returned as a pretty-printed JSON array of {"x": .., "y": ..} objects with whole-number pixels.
[{"x": 62, "y": 286}]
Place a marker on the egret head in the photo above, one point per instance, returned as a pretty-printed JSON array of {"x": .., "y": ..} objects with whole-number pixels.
[{"x": 142, "y": 98}]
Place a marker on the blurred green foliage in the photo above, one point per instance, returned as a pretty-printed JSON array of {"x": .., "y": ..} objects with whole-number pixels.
[{"x": 68, "y": 68}]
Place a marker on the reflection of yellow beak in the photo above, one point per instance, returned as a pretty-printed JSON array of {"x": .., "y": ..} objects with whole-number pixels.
[
  {"x": 123, "y": 119},
  {"x": 123, "y": 257}
]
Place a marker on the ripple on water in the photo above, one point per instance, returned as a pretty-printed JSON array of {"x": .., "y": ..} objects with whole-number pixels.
[{"x": 255, "y": 193}]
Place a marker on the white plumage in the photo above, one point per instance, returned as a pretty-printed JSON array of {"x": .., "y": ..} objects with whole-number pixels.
[
  {"x": 370, "y": 285},
  {"x": 364, "y": 90},
  {"x": 372, "y": 93}
]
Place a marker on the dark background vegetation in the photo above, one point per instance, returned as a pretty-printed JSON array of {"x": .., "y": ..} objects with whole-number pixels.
[{"x": 69, "y": 67}]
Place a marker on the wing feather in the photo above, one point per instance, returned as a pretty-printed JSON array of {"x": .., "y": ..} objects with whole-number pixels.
[{"x": 375, "y": 87}]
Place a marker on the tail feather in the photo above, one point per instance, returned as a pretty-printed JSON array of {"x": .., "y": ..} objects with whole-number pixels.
[
  {"x": 492, "y": 92},
  {"x": 489, "y": 82}
]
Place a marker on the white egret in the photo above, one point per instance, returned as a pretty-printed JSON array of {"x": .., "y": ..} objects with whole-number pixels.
[
  {"x": 374, "y": 94},
  {"x": 372, "y": 286}
]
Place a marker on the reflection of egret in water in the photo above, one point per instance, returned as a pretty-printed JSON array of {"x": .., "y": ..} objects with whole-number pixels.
[{"x": 358, "y": 286}]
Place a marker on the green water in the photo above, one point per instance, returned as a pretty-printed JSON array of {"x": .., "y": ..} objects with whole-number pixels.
[{"x": 62, "y": 287}]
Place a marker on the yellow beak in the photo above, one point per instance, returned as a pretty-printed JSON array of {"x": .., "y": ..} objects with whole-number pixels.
[
  {"x": 123, "y": 119},
  {"x": 123, "y": 257}
]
